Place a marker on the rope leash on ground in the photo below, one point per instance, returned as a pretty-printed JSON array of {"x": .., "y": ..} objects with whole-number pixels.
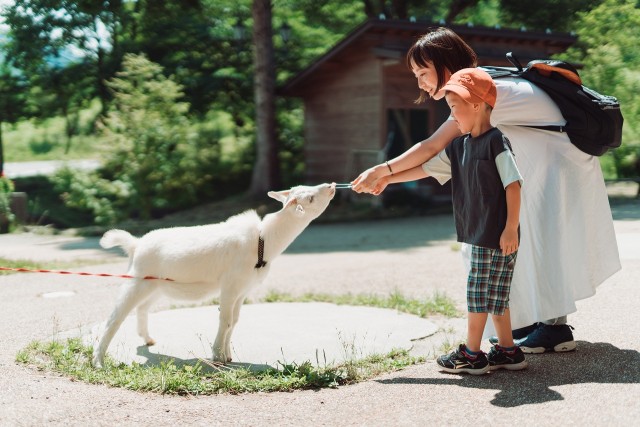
[{"x": 82, "y": 273}]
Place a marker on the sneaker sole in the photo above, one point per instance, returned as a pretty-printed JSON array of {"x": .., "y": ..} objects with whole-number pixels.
[
  {"x": 466, "y": 371},
  {"x": 510, "y": 367},
  {"x": 560, "y": 348}
]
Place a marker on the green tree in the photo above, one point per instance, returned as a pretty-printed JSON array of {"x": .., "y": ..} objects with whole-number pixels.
[
  {"x": 12, "y": 102},
  {"x": 266, "y": 172},
  {"x": 608, "y": 49},
  {"x": 557, "y": 15},
  {"x": 43, "y": 32},
  {"x": 158, "y": 161},
  {"x": 149, "y": 128}
]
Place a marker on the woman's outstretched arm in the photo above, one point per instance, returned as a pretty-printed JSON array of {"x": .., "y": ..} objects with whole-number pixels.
[{"x": 413, "y": 157}]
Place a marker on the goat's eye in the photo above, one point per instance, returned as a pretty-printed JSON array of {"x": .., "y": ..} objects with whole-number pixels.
[{"x": 311, "y": 199}]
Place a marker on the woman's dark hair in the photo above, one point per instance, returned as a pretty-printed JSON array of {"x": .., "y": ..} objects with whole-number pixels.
[{"x": 446, "y": 50}]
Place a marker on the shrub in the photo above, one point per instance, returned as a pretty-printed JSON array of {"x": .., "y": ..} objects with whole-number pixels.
[
  {"x": 6, "y": 217},
  {"x": 158, "y": 160}
]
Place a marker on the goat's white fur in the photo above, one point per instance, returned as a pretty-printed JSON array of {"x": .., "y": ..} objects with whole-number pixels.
[{"x": 207, "y": 260}]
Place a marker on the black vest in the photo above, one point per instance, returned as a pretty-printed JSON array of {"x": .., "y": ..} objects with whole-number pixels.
[{"x": 479, "y": 198}]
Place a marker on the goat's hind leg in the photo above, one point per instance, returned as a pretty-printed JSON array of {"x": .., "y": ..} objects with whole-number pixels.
[
  {"x": 142, "y": 314},
  {"x": 133, "y": 293}
]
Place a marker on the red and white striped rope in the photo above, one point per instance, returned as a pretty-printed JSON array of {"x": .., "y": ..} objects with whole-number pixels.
[{"x": 81, "y": 273}]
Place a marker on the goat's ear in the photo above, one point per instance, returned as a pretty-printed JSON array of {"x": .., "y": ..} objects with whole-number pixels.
[
  {"x": 280, "y": 196},
  {"x": 290, "y": 202}
]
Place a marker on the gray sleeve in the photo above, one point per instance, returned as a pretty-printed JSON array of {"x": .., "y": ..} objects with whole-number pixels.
[
  {"x": 507, "y": 168},
  {"x": 439, "y": 167}
]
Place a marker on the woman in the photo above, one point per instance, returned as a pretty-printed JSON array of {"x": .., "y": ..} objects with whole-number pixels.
[{"x": 568, "y": 245}]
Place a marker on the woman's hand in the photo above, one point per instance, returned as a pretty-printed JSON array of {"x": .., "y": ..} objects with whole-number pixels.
[{"x": 366, "y": 182}]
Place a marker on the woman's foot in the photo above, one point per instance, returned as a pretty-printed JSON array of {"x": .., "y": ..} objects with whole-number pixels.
[
  {"x": 518, "y": 334},
  {"x": 548, "y": 338}
]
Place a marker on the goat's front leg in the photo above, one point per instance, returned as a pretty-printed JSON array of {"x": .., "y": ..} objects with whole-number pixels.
[
  {"x": 222, "y": 346},
  {"x": 236, "y": 315}
]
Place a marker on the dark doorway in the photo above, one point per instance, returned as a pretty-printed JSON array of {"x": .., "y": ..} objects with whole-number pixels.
[{"x": 405, "y": 128}]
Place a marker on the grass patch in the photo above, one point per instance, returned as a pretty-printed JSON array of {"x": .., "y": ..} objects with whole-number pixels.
[
  {"x": 71, "y": 358},
  {"x": 46, "y": 139},
  {"x": 32, "y": 265},
  {"x": 438, "y": 304},
  {"x": 12, "y": 263}
]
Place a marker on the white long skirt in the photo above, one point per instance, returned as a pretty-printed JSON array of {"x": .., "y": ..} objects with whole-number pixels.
[{"x": 568, "y": 244}]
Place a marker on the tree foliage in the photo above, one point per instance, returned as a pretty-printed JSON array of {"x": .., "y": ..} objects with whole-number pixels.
[
  {"x": 609, "y": 51},
  {"x": 157, "y": 161},
  {"x": 556, "y": 15},
  {"x": 46, "y": 34},
  {"x": 12, "y": 102},
  {"x": 200, "y": 52}
]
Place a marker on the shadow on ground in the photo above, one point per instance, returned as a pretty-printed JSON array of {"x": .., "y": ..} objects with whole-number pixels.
[
  {"x": 534, "y": 385},
  {"x": 154, "y": 359},
  {"x": 625, "y": 209},
  {"x": 365, "y": 236}
]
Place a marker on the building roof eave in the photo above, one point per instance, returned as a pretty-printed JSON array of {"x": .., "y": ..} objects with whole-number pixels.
[{"x": 291, "y": 87}]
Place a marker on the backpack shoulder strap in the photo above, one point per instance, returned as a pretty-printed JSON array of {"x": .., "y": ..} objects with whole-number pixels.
[{"x": 497, "y": 72}]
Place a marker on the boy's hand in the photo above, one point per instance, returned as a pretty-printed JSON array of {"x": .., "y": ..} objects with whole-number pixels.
[
  {"x": 509, "y": 241},
  {"x": 381, "y": 184}
]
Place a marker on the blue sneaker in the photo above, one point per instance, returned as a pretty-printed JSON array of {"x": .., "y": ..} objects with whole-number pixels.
[
  {"x": 518, "y": 334},
  {"x": 548, "y": 338}
]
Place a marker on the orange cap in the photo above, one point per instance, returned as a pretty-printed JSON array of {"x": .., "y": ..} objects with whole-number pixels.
[{"x": 473, "y": 85}]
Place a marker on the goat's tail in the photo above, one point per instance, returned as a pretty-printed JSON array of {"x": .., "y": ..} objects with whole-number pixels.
[{"x": 120, "y": 238}]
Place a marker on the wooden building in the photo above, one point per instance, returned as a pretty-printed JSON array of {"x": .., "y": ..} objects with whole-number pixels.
[{"x": 359, "y": 96}]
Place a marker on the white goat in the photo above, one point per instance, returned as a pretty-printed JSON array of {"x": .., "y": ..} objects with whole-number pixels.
[{"x": 229, "y": 258}]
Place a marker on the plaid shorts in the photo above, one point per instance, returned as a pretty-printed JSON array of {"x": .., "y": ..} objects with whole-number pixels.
[{"x": 489, "y": 280}]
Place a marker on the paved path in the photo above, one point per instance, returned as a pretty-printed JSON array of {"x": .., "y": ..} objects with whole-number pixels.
[
  {"x": 45, "y": 167},
  {"x": 596, "y": 385}
]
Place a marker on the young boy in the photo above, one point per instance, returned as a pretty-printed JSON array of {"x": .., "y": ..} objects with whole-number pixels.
[{"x": 486, "y": 202}]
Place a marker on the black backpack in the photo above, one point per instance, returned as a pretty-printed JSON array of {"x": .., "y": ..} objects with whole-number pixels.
[{"x": 594, "y": 121}]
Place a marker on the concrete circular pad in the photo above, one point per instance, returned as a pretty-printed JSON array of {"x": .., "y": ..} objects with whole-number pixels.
[{"x": 270, "y": 334}]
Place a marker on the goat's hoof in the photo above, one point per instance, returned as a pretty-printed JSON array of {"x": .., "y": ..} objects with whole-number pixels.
[
  {"x": 220, "y": 358},
  {"x": 97, "y": 362},
  {"x": 149, "y": 342}
]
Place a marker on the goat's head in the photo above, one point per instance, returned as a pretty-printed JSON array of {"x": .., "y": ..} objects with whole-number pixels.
[{"x": 308, "y": 202}]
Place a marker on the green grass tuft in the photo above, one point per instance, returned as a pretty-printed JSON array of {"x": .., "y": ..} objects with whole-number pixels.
[
  {"x": 71, "y": 358},
  {"x": 438, "y": 304}
]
